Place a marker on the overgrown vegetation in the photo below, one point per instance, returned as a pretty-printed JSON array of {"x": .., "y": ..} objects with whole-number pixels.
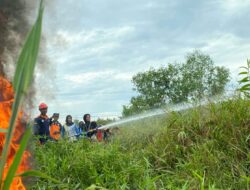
[
  {"x": 206, "y": 147},
  {"x": 175, "y": 83}
]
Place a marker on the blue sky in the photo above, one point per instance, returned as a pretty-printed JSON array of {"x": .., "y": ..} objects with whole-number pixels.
[{"x": 95, "y": 47}]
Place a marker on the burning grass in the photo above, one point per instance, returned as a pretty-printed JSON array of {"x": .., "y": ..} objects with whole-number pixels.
[{"x": 6, "y": 101}]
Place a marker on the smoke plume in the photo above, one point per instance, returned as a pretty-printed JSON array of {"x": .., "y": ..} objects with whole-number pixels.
[{"x": 15, "y": 22}]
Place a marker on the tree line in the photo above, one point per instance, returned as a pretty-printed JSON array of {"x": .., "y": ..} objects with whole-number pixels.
[{"x": 194, "y": 79}]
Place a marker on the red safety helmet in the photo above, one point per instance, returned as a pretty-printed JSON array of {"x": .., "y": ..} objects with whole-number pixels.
[{"x": 43, "y": 106}]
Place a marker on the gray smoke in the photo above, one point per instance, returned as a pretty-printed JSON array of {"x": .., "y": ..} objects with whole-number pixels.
[
  {"x": 16, "y": 17},
  {"x": 12, "y": 28}
]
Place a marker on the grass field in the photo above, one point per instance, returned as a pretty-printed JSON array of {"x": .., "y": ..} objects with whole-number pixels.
[{"x": 203, "y": 148}]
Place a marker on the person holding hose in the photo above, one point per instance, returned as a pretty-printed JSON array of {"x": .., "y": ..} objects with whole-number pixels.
[{"x": 88, "y": 127}]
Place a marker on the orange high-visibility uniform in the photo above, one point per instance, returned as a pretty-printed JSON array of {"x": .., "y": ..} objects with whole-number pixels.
[{"x": 55, "y": 131}]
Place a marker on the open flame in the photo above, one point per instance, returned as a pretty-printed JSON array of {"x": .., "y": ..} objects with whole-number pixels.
[{"x": 6, "y": 101}]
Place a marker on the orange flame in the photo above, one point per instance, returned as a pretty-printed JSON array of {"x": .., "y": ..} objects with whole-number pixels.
[{"x": 6, "y": 101}]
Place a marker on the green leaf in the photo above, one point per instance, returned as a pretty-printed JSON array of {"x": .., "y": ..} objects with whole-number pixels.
[
  {"x": 35, "y": 173},
  {"x": 247, "y": 178},
  {"x": 17, "y": 159},
  {"x": 245, "y": 88},
  {"x": 22, "y": 79},
  {"x": 243, "y": 73},
  {"x": 245, "y": 79},
  {"x": 197, "y": 175}
]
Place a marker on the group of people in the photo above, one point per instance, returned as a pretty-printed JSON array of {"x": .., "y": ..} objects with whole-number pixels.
[{"x": 49, "y": 128}]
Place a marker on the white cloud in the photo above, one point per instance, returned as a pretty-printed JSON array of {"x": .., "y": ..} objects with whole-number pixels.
[
  {"x": 123, "y": 76},
  {"x": 89, "y": 36},
  {"x": 234, "y": 6},
  {"x": 85, "y": 78},
  {"x": 88, "y": 77},
  {"x": 228, "y": 50}
]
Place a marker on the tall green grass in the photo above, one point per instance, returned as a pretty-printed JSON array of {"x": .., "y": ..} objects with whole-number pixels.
[
  {"x": 202, "y": 148},
  {"x": 245, "y": 81},
  {"x": 22, "y": 80}
]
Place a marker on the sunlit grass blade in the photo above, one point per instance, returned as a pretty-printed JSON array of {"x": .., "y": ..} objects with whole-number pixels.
[
  {"x": 22, "y": 79},
  {"x": 17, "y": 159},
  {"x": 94, "y": 187},
  {"x": 34, "y": 173},
  {"x": 247, "y": 178}
]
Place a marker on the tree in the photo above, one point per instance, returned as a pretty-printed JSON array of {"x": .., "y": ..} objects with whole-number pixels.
[{"x": 176, "y": 83}]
